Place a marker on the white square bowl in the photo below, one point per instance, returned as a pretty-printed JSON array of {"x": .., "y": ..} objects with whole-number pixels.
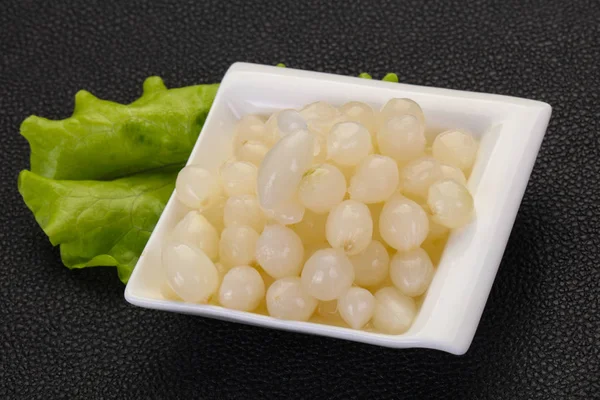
[{"x": 510, "y": 132}]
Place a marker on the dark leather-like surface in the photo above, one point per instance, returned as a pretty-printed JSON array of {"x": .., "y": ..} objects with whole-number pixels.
[{"x": 70, "y": 334}]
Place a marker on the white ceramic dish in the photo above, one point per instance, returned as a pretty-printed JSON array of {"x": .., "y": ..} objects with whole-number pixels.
[{"x": 510, "y": 129}]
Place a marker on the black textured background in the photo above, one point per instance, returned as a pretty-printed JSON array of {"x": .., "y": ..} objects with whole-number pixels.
[{"x": 67, "y": 334}]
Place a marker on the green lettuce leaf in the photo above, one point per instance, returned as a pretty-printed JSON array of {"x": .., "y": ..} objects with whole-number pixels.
[
  {"x": 107, "y": 140},
  {"x": 99, "y": 223},
  {"x": 391, "y": 77}
]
